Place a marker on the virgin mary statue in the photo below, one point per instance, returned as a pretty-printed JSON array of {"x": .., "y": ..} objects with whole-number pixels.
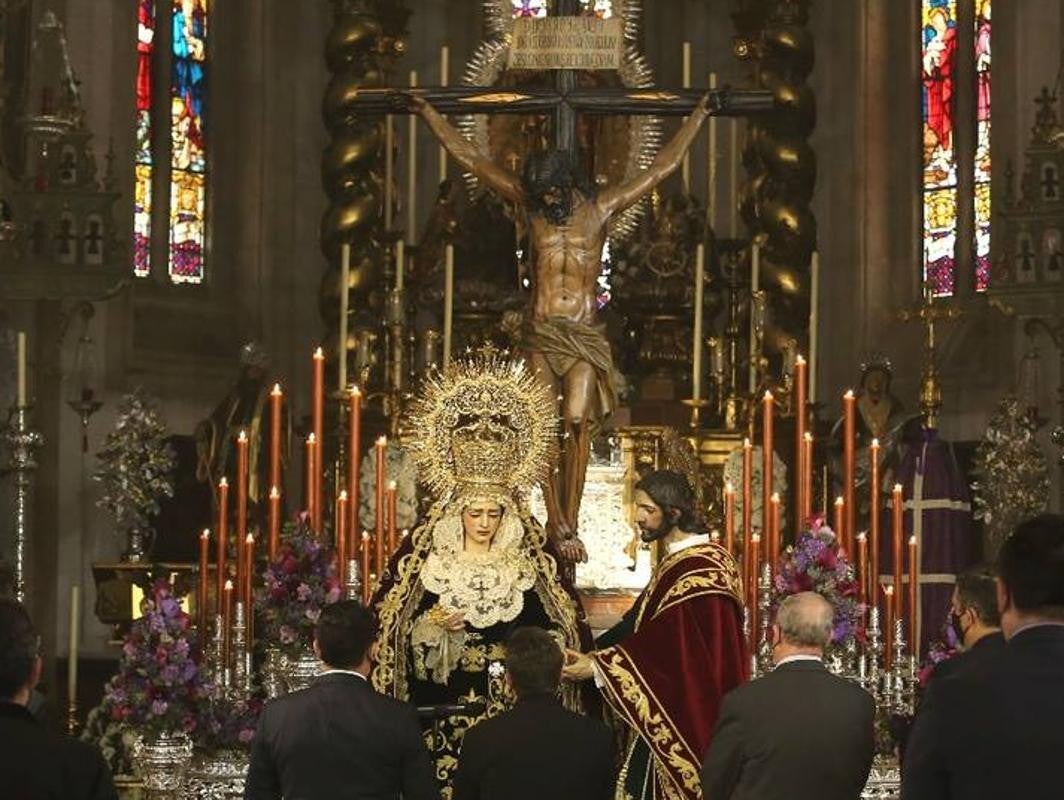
[{"x": 484, "y": 432}]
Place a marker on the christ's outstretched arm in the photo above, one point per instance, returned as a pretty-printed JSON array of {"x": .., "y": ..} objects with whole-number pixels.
[
  {"x": 495, "y": 177},
  {"x": 610, "y": 201}
]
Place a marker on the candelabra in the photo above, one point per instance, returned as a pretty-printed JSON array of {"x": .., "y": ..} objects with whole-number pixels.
[
  {"x": 353, "y": 580},
  {"x": 216, "y": 665},
  {"x": 241, "y": 674},
  {"x": 763, "y": 656},
  {"x": 872, "y": 652},
  {"x": 23, "y": 442}
]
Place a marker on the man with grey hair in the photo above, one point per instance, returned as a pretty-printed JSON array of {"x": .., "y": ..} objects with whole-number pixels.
[{"x": 799, "y": 732}]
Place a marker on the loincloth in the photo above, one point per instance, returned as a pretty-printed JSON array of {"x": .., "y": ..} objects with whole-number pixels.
[{"x": 564, "y": 343}]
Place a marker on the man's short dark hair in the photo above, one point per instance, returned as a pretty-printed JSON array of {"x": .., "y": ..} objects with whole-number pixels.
[
  {"x": 534, "y": 661},
  {"x": 18, "y": 648},
  {"x": 672, "y": 492},
  {"x": 344, "y": 633},
  {"x": 1031, "y": 565},
  {"x": 977, "y": 590}
]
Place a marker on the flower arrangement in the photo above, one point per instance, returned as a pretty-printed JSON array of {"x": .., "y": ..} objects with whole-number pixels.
[
  {"x": 159, "y": 685},
  {"x": 226, "y": 724},
  {"x": 1011, "y": 474},
  {"x": 816, "y": 563},
  {"x": 135, "y": 471},
  {"x": 296, "y": 587}
]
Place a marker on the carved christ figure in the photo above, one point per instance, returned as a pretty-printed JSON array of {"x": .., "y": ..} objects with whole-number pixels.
[{"x": 567, "y": 222}]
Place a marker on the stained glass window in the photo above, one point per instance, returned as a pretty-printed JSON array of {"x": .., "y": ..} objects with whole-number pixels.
[
  {"x": 188, "y": 158},
  {"x": 529, "y": 8},
  {"x": 939, "y": 37},
  {"x": 982, "y": 145},
  {"x": 143, "y": 158}
]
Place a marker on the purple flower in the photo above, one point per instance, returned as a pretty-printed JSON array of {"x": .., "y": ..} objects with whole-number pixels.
[
  {"x": 158, "y": 707},
  {"x": 303, "y": 592}
]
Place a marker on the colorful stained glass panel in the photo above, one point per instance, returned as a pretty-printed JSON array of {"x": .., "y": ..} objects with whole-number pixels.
[
  {"x": 143, "y": 171},
  {"x": 982, "y": 145},
  {"x": 939, "y": 62},
  {"x": 188, "y": 160}
]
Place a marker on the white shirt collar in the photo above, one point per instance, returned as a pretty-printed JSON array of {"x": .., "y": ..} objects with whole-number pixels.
[
  {"x": 798, "y": 657},
  {"x": 687, "y": 541},
  {"x": 342, "y": 672}
]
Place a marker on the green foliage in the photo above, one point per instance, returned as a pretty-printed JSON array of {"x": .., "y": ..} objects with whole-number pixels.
[{"x": 135, "y": 465}]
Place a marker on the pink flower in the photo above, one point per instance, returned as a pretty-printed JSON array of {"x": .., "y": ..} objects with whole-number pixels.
[{"x": 246, "y": 735}]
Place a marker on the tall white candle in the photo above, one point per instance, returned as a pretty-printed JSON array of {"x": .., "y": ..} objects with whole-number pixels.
[
  {"x": 400, "y": 264},
  {"x": 445, "y": 68},
  {"x": 686, "y": 169},
  {"x": 711, "y": 164},
  {"x": 733, "y": 163},
  {"x": 448, "y": 302},
  {"x": 696, "y": 345},
  {"x": 21, "y": 339},
  {"x": 755, "y": 286},
  {"x": 72, "y": 665},
  {"x": 411, "y": 172},
  {"x": 814, "y": 318},
  {"x": 341, "y": 350}
]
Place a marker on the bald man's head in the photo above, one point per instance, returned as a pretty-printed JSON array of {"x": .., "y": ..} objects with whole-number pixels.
[{"x": 805, "y": 620}]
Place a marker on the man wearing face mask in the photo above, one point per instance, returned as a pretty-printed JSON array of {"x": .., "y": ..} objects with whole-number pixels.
[
  {"x": 976, "y": 622},
  {"x": 665, "y": 667},
  {"x": 993, "y": 731}
]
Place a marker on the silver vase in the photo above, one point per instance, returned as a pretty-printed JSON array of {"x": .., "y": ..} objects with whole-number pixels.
[
  {"x": 273, "y": 673},
  {"x": 136, "y": 551},
  {"x": 300, "y": 671},
  {"x": 161, "y": 761},
  {"x": 218, "y": 775}
]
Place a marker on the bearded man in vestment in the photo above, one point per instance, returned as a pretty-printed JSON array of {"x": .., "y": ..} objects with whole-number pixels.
[{"x": 665, "y": 667}]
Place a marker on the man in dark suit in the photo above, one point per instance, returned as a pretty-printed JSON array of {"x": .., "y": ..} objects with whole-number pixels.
[
  {"x": 339, "y": 738},
  {"x": 537, "y": 749},
  {"x": 799, "y": 732},
  {"x": 35, "y": 762},
  {"x": 976, "y": 622},
  {"x": 994, "y": 730}
]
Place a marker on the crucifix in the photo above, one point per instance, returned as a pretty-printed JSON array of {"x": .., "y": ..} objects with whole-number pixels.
[
  {"x": 566, "y": 217},
  {"x": 929, "y": 313}
]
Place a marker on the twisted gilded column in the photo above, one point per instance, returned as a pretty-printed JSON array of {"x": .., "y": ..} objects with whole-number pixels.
[
  {"x": 365, "y": 38},
  {"x": 773, "y": 35}
]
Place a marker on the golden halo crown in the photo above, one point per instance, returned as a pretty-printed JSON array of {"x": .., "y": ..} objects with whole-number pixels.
[{"x": 484, "y": 426}]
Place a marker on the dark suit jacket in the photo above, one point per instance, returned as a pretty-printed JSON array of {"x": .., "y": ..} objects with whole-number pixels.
[
  {"x": 38, "y": 764},
  {"x": 993, "y": 731},
  {"x": 799, "y": 732},
  {"x": 339, "y": 739},
  {"x": 537, "y": 750},
  {"x": 981, "y": 654}
]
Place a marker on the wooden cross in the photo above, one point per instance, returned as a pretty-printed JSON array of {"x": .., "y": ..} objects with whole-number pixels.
[{"x": 565, "y": 101}]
